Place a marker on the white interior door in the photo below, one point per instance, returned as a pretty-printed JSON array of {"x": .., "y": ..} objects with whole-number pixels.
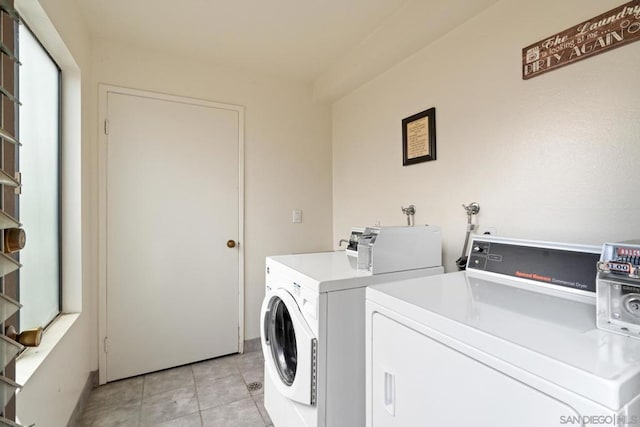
[{"x": 172, "y": 203}]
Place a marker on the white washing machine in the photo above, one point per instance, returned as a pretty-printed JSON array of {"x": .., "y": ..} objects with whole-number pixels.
[
  {"x": 510, "y": 342},
  {"x": 312, "y": 331}
]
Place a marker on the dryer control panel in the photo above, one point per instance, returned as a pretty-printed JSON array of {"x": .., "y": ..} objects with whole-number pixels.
[{"x": 564, "y": 266}]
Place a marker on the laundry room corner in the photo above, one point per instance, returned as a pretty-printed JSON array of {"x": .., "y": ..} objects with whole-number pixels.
[
  {"x": 540, "y": 156},
  {"x": 258, "y": 212}
]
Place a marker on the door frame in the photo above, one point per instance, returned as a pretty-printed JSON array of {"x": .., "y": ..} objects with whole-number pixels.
[{"x": 103, "y": 92}]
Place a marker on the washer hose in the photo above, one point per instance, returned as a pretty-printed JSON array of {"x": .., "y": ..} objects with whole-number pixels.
[{"x": 472, "y": 209}]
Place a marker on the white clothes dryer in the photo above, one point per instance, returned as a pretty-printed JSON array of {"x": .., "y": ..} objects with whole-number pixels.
[
  {"x": 312, "y": 332},
  {"x": 510, "y": 342}
]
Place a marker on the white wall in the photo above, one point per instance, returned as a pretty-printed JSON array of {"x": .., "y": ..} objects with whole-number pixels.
[
  {"x": 287, "y": 150},
  {"x": 52, "y": 392},
  {"x": 552, "y": 158}
]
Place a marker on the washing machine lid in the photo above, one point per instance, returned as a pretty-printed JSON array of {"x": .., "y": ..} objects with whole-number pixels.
[
  {"x": 549, "y": 336},
  {"x": 335, "y": 271}
]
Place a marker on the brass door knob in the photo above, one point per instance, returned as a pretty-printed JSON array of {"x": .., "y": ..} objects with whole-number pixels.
[{"x": 231, "y": 243}]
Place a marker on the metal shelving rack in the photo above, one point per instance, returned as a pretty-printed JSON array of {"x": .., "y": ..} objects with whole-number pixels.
[{"x": 9, "y": 208}]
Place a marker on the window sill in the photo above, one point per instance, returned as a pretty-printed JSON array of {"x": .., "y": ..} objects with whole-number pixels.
[{"x": 30, "y": 360}]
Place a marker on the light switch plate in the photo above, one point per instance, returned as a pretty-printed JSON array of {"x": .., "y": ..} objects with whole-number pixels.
[{"x": 297, "y": 216}]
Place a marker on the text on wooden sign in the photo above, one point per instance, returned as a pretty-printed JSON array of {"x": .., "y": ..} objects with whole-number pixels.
[{"x": 609, "y": 30}]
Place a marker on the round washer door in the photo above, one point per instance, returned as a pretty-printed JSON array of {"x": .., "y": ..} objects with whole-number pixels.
[{"x": 289, "y": 347}]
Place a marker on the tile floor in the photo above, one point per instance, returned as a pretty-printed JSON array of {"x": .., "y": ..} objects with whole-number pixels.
[{"x": 210, "y": 393}]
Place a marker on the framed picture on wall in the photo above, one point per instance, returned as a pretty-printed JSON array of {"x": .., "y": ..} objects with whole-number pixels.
[{"x": 419, "y": 137}]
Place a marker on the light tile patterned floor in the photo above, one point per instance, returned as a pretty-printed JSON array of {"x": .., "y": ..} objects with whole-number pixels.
[{"x": 210, "y": 393}]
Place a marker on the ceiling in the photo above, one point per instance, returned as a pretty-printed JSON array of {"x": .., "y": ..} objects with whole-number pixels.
[{"x": 305, "y": 40}]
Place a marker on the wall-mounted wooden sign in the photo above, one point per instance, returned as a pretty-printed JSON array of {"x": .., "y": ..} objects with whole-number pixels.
[{"x": 607, "y": 31}]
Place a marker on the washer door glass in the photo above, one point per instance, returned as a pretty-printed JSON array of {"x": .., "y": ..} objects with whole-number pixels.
[{"x": 282, "y": 339}]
